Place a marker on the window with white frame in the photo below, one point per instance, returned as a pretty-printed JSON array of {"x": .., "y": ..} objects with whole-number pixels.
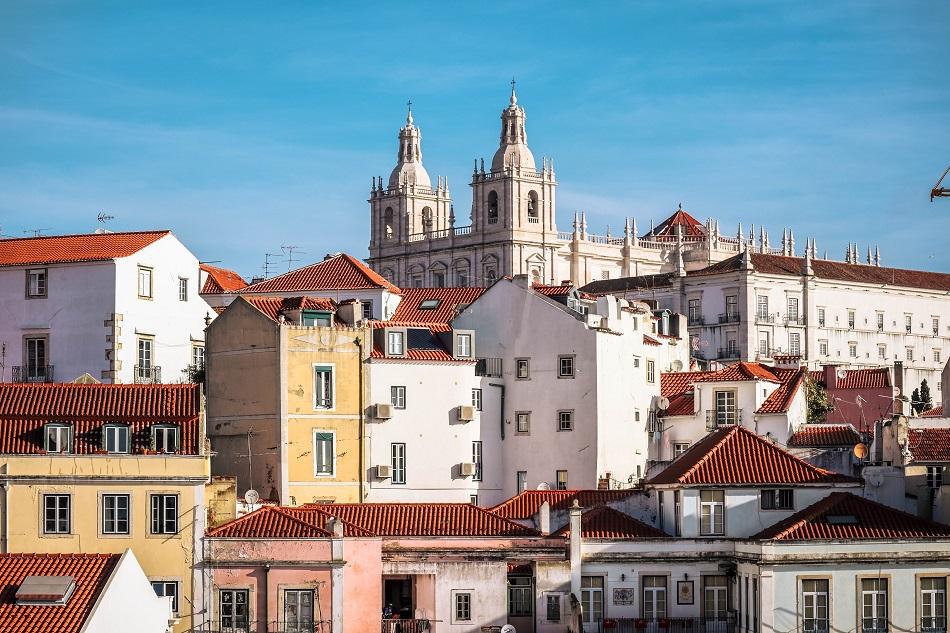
[
  {"x": 565, "y": 366},
  {"x": 463, "y": 606},
  {"x": 712, "y": 511},
  {"x": 908, "y": 323},
  {"x": 762, "y": 306},
  {"x": 58, "y": 438},
  {"x": 198, "y": 356},
  {"x": 477, "y": 459},
  {"x": 934, "y": 477},
  {"x": 115, "y": 514},
  {"x": 323, "y": 387},
  {"x": 167, "y": 589},
  {"x": 477, "y": 399},
  {"x": 523, "y": 422},
  {"x": 793, "y": 309},
  {"x": 874, "y": 605},
  {"x": 823, "y": 348},
  {"x": 732, "y": 307},
  {"x": 764, "y": 344},
  {"x": 233, "y": 610},
  {"x": 815, "y": 605},
  {"x": 165, "y": 438},
  {"x": 115, "y": 438},
  {"x": 560, "y": 477},
  {"x": 679, "y": 448},
  {"x": 910, "y": 354},
  {"x": 821, "y": 317},
  {"x": 933, "y": 604},
  {"x": 882, "y": 352},
  {"x": 398, "y": 456},
  {"x": 654, "y": 597},
  {"x": 727, "y": 411},
  {"x": 880, "y": 321},
  {"x": 853, "y": 350},
  {"x": 324, "y": 453},
  {"x": 463, "y": 345},
  {"x": 366, "y": 307},
  {"x": 56, "y": 513},
  {"x": 521, "y": 481},
  {"x": 937, "y": 356},
  {"x": 144, "y": 357},
  {"x": 695, "y": 311},
  {"x": 851, "y": 319},
  {"x": 396, "y": 343},
  {"x": 715, "y": 592},
  {"x": 565, "y": 420},
  {"x": 522, "y": 368},
  {"x": 36, "y": 358},
  {"x": 935, "y": 325},
  {"x": 795, "y": 343},
  {"x": 777, "y": 499},
  {"x": 182, "y": 289},
  {"x": 145, "y": 282},
  {"x": 397, "y": 396},
  {"x": 164, "y": 513},
  {"x": 651, "y": 371},
  {"x": 552, "y": 607},
  {"x": 35, "y": 283},
  {"x": 298, "y": 611}
]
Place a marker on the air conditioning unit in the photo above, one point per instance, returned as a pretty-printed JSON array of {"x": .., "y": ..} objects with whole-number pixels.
[
  {"x": 384, "y": 411},
  {"x": 384, "y": 471},
  {"x": 467, "y": 470},
  {"x": 466, "y": 413}
]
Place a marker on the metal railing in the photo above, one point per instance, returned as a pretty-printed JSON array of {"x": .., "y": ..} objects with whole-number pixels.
[
  {"x": 488, "y": 367},
  {"x": 728, "y": 352},
  {"x": 795, "y": 320},
  {"x": 729, "y": 317},
  {"x": 147, "y": 375},
  {"x": 764, "y": 318},
  {"x": 715, "y": 419},
  {"x": 668, "y": 625},
  {"x": 933, "y": 625},
  {"x": 695, "y": 320},
  {"x": 271, "y": 626},
  {"x": 407, "y": 626},
  {"x": 42, "y": 373}
]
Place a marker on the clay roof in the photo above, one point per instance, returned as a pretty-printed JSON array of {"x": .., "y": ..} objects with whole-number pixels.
[
  {"x": 668, "y": 227},
  {"x": 221, "y": 280},
  {"x": 90, "y": 572},
  {"x": 604, "y": 522},
  {"x": 838, "y": 271},
  {"x": 680, "y": 404},
  {"x": 781, "y": 399},
  {"x": 273, "y": 307},
  {"x": 929, "y": 445},
  {"x": 622, "y": 284},
  {"x": 268, "y": 522},
  {"x": 422, "y": 344},
  {"x": 446, "y": 300},
  {"x": 869, "y": 378},
  {"x": 735, "y": 456},
  {"x": 844, "y": 516},
  {"x": 25, "y": 408},
  {"x": 678, "y": 386},
  {"x": 824, "y": 436},
  {"x": 336, "y": 272},
  {"x": 425, "y": 519},
  {"x": 741, "y": 371},
  {"x": 676, "y": 382},
  {"x": 88, "y": 247},
  {"x": 528, "y": 503},
  {"x": 935, "y": 412},
  {"x": 561, "y": 290}
]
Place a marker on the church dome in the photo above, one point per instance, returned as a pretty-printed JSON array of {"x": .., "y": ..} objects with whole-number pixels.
[
  {"x": 409, "y": 169},
  {"x": 513, "y": 148},
  {"x": 409, "y": 174}
]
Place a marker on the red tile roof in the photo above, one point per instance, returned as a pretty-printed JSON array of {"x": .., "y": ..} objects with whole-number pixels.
[
  {"x": 25, "y": 408},
  {"x": 422, "y": 344},
  {"x": 337, "y": 272},
  {"x": 649, "y": 340},
  {"x": 680, "y": 404},
  {"x": 561, "y": 290},
  {"x": 735, "y": 456},
  {"x": 675, "y": 382},
  {"x": 929, "y": 445},
  {"x": 935, "y": 412},
  {"x": 870, "y": 378},
  {"x": 528, "y": 503},
  {"x": 425, "y": 519},
  {"x": 741, "y": 371},
  {"x": 838, "y": 271},
  {"x": 409, "y": 310},
  {"x": 824, "y": 436},
  {"x": 604, "y": 522},
  {"x": 90, "y": 572},
  {"x": 781, "y": 399},
  {"x": 273, "y": 307},
  {"x": 668, "y": 227},
  {"x": 844, "y": 516},
  {"x": 87, "y": 247},
  {"x": 221, "y": 280},
  {"x": 268, "y": 522}
]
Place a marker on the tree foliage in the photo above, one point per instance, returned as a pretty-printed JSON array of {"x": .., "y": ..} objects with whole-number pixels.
[
  {"x": 920, "y": 398},
  {"x": 816, "y": 401}
]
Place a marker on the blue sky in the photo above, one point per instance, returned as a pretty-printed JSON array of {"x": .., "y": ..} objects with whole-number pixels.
[{"x": 247, "y": 126}]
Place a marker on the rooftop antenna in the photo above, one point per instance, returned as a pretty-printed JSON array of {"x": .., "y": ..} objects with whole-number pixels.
[
  {"x": 938, "y": 191},
  {"x": 269, "y": 263},
  {"x": 289, "y": 250},
  {"x": 35, "y": 232},
  {"x": 103, "y": 217}
]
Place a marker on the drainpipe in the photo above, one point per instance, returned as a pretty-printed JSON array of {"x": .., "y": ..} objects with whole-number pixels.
[
  {"x": 266, "y": 595},
  {"x": 362, "y": 432},
  {"x": 6, "y": 518},
  {"x": 502, "y": 421}
]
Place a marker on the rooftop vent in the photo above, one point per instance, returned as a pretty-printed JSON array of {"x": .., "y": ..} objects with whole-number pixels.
[{"x": 36, "y": 590}]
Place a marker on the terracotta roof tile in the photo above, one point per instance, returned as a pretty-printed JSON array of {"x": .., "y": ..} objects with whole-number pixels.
[
  {"x": 929, "y": 445},
  {"x": 625, "y": 284},
  {"x": 90, "y": 572},
  {"x": 680, "y": 404},
  {"x": 338, "y": 272},
  {"x": 88, "y": 247},
  {"x": 935, "y": 412},
  {"x": 220, "y": 280},
  {"x": 528, "y": 503},
  {"x": 676, "y": 382},
  {"x": 668, "y": 227},
  {"x": 781, "y": 399},
  {"x": 741, "y": 371},
  {"x": 604, "y": 522},
  {"x": 273, "y": 307},
  {"x": 824, "y": 436},
  {"x": 869, "y": 378},
  {"x": 649, "y": 340},
  {"x": 562, "y": 290},
  {"x": 422, "y": 344},
  {"x": 735, "y": 456},
  {"x": 425, "y": 519},
  {"x": 410, "y": 308},
  {"x": 844, "y": 516},
  {"x": 25, "y": 408},
  {"x": 268, "y": 522}
]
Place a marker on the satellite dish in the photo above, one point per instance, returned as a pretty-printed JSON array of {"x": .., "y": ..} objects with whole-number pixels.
[
  {"x": 508, "y": 629},
  {"x": 677, "y": 365},
  {"x": 663, "y": 403},
  {"x": 840, "y": 373},
  {"x": 251, "y": 497},
  {"x": 897, "y": 392},
  {"x": 544, "y": 486},
  {"x": 860, "y": 450}
]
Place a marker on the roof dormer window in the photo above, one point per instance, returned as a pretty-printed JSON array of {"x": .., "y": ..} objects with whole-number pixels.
[
  {"x": 430, "y": 304},
  {"x": 115, "y": 438},
  {"x": 58, "y": 438},
  {"x": 165, "y": 438},
  {"x": 395, "y": 343}
]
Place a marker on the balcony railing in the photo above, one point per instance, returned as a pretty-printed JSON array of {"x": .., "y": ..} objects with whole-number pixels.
[
  {"x": 764, "y": 318},
  {"x": 148, "y": 375},
  {"x": 42, "y": 373},
  {"x": 407, "y": 626},
  {"x": 795, "y": 320},
  {"x": 241, "y": 625},
  {"x": 695, "y": 320},
  {"x": 933, "y": 625},
  {"x": 729, "y": 317},
  {"x": 666, "y": 625},
  {"x": 715, "y": 419},
  {"x": 488, "y": 367},
  {"x": 728, "y": 352}
]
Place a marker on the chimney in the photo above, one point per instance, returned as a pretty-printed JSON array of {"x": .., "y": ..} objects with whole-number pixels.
[
  {"x": 544, "y": 519},
  {"x": 899, "y": 385},
  {"x": 830, "y": 376},
  {"x": 575, "y": 548}
]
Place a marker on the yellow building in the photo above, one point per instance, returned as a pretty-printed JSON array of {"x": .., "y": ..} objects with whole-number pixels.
[
  {"x": 103, "y": 468},
  {"x": 286, "y": 396}
]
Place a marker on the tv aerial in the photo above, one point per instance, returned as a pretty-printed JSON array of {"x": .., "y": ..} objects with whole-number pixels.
[{"x": 103, "y": 217}]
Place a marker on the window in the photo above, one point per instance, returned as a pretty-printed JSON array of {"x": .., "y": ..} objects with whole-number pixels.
[
  {"x": 565, "y": 420},
  {"x": 795, "y": 343},
  {"x": 908, "y": 323},
  {"x": 882, "y": 352},
  {"x": 35, "y": 283},
  {"x": 477, "y": 460},
  {"x": 762, "y": 306},
  {"x": 764, "y": 344},
  {"x": 565, "y": 366},
  {"x": 167, "y": 589},
  {"x": 477, "y": 399},
  {"x": 935, "y": 324},
  {"x": 880, "y": 321},
  {"x": 522, "y": 368},
  {"x": 145, "y": 282},
  {"x": 324, "y": 453},
  {"x": 712, "y": 512},
  {"x": 56, "y": 515},
  {"x": 814, "y": 606},
  {"x": 397, "y": 396},
  {"x": 144, "y": 358},
  {"x": 714, "y": 597},
  {"x": 821, "y": 317},
  {"x": 115, "y": 438},
  {"x": 654, "y": 597},
  {"x": 461, "y": 277},
  {"x": 182, "y": 289},
  {"x": 492, "y": 207},
  {"x": 198, "y": 356},
  {"x": 523, "y": 419},
  {"x": 679, "y": 448},
  {"x": 933, "y": 604},
  {"x": 823, "y": 348},
  {"x": 37, "y": 358},
  {"x": 165, "y": 438},
  {"x": 850, "y": 319},
  {"x": 677, "y": 514},
  {"x": 934, "y": 477},
  {"x": 695, "y": 314},
  {"x": 232, "y": 610},
  {"x": 777, "y": 499},
  {"x": 322, "y": 387},
  {"x": 115, "y": 514},
  {"x": 726, "y": 411},
  {"x": 463, "y": 345},
  {"x": 520, "y": 596},
  {"x": 438, "y": 279},
  {"x": 521, "y": 481},
  {"x": 732, "y": 307},
  {"x": 532, "y": 206},
  {"x": 853, "y": 350},
  {"x": 473, "y": 499},
  {"x": 561, "y": 479},
  {"x": 396, "y": 343},
  {"x": 58, "y": 438},
  {"x": 463, "y": 607},
  {"x": 316, "y": 318},
  {"x": 366, "y": 307},
  {"x": 398, "y": 453},
  {"x": 910, "y": 354},
  {"x": 651, "y": 371},
  {"x": 873, "y": 604},
  {"x": 793, "y": 309},
  {"x": 936, "y": 355},
  {"x": 164, "y": 514},
  {"x": 552, "y": 605},
  {"x": 298, "y": 610}
]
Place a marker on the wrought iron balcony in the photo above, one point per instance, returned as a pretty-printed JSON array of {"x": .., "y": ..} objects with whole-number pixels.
[
  {"x": 148, "y": 375},
  {"x": 795, "y": 320},
  {"x": 729, "y": 317},
  {"x": 933, "y": 625},
  {"x": 715, "y": 419},
  {"x": 407, "y": 626},
  {"x": 35, "y": 373},
  {"x": 490, "y": 367},
  {"x": 695, "y": 320},
  {"x": 668, "y": 625},
  {"x": 728, "y": 352},
  {"x": 764, "y": 318}
]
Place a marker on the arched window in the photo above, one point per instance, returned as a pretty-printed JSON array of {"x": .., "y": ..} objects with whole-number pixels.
[
  {"x": 388, "y": 223},
  {"x": 490, "y": 276},
  {"x": 427, "y": 220},
  {"x": 461, "y": 273},
  {"x": 536, "y": 275},
  {"x": 532, "y": 206},
  {"x": 492, "y": 207}
]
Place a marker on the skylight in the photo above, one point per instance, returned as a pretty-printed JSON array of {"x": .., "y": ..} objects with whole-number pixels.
[
  {"x": 37, "y": 590},
  {"x": 430, "y": 304}
]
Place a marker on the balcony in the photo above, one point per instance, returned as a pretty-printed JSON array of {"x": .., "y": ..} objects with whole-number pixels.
[
  {"x": 795, "y": 320},
  {"x": 666, "y": 625},
  {"x": 407, "y": 626},
  {"x": 933, "y": 625},
  {"x": 764, "y": 318},
  {"x": 695, "y": 320},
  {"x": 148, "y": 375},
  {"x": 729, "y": 317},
  {"x": 727, "y": 353},
  {"x": 490, "y": 367},
  {"x": 715, "y": 419},
  {"x": 41, "y": 373}
]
